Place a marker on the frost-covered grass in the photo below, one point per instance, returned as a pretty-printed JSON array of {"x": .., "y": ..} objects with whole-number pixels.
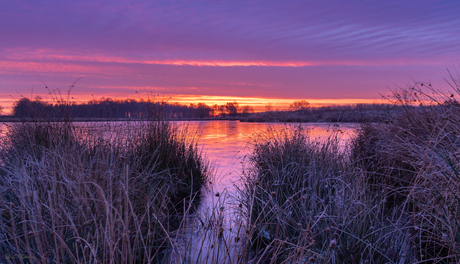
[
  {"x": 73, "y": 196},
  {"x": 392, "y": 196}
]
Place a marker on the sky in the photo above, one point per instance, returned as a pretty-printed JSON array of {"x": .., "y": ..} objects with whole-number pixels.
[{"x": 254, "y": 52}]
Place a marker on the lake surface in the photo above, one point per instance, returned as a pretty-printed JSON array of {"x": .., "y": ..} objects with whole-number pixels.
[{"x": 225, "y": 144}]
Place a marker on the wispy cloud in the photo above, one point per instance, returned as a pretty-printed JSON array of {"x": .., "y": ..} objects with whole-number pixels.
[
  {"x": 327, "y": 49},
  {"x": 239, "y": 30}
]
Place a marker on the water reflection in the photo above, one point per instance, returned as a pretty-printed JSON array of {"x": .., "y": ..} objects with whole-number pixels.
[{"x": 226, "y": 143}]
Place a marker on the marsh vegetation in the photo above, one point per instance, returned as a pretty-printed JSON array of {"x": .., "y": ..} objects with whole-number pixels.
[
  {"x": 69, "y": 194},
  {"x": 391, "y": 196}
]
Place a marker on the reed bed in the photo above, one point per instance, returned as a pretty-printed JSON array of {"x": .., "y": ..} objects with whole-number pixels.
[
  {"x": 305, "y": 203},
  {"x": 414, "y": 159},
  {"x": 69, "y": 194},
  {"x": 391, "y": 196}
]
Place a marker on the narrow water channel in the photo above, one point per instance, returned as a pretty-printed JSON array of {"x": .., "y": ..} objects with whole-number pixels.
[{"x": 226, "y": 144}]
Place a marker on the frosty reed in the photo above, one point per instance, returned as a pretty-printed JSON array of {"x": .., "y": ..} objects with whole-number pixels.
[
  {"x": 72, "y": 192},
  {"x": 391, "y": 196}
]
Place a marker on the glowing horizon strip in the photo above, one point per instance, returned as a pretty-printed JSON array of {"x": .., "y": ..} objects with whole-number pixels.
[{"x": 259, "y": 103}]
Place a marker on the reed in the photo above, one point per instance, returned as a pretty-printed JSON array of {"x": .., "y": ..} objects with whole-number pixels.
[
  {"x": 74, "y": 193},
  {"x": 391, "y": 196},
  {"x": 305, "y": 202},
  {"x": 415, "y": 159}
]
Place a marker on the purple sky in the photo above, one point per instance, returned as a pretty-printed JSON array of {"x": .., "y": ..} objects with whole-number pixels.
[{"x": 318, "y": 51}]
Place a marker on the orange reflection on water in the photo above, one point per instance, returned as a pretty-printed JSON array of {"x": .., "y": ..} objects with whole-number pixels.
[{"x": 227, "y": 143}]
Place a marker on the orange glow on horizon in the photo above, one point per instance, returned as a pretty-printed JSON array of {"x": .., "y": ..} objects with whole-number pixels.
[{"x": 259, "y": 103}]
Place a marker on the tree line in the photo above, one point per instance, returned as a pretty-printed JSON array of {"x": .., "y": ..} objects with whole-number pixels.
[
  {"x": 107, "y": 108},
  {"x": 128, "y": 108}
]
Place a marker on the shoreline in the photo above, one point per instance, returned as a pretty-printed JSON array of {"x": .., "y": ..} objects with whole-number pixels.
[{"x": 9, "y": 119}]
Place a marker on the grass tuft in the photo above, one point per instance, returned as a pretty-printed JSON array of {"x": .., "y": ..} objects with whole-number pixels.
[{"x": 74, "y": 193}]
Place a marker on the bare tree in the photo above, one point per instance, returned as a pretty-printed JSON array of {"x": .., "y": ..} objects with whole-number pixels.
[
  {"x": 232, "y": 108},
  {"x": 247, "y": 109},
  {"x": 203, "y": 110},
  {"x": 300, "y": 105},
  {"x": 269, "y": 107}
]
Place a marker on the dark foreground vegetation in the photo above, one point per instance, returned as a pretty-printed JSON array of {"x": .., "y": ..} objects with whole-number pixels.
[
  {"x": 391, "y": 196},
  {"x": 81, "y": 194}
]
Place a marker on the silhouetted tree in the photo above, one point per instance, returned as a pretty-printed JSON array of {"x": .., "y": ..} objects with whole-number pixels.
[
  {"x": 223, "y": 109},
  {"x": 203, "y": 110},
  {"x": 232, "y": 108},
  {"x": 301, "y": 105},
  {"x": 246, "y": 110},
  {"x": 34, "y": 109},
  {"x": 269, "y": 107}
]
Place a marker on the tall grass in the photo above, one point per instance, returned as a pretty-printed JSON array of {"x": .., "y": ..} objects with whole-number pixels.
[
  {"x": 69, "y": 195},
  {"x": 391, "y": 196},
  {"x": 416, "y": 156},
  {"x": 305, "y": 202}
]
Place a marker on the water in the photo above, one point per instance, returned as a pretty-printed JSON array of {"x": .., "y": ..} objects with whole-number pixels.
[{"x": 225, "y": 144}]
